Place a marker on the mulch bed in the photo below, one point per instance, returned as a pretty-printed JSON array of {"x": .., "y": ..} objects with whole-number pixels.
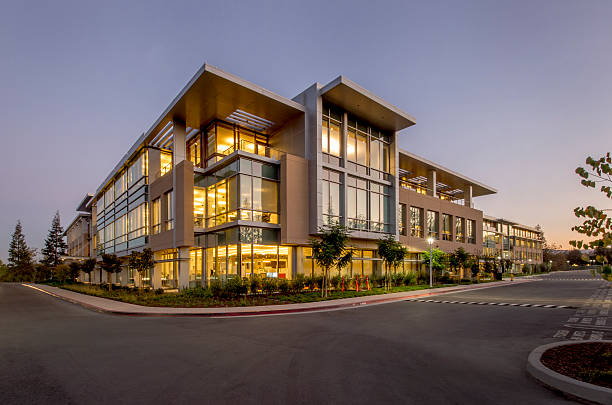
[{"x": 588, "y": 362}]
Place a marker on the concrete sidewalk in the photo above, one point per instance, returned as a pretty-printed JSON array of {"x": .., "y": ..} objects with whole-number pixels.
[{"x": 122, "y": 308}]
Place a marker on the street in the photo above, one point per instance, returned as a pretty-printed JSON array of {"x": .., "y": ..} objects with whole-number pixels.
[{"x": 407, "y": 352}]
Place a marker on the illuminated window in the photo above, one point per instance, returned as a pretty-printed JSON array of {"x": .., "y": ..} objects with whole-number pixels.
[
  {"x": 330, "y": 131},
  {"x": 194, "y": 150},
  {"x": 447, "y": 221},
  {"x": 432, "y": 224},
  {"x": 459, "y": 229},
  {"x": 165, "y": 162},
  {"x": 169, "y": 205},
  {"x": 331, "y": 196},
  {"x": 156, "y": 216},
  {"x": 416, "y": 222}
]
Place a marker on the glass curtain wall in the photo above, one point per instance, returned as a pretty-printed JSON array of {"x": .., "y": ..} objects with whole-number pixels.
[
  {"x": 447, "y": 221},
  {"x": 460, "y": 229},
  {"x": 330, "y": 134},
  {"x": 367, "y": 149},
  {"x": 122, "y": 211},
  {"x": 331, "y": 196},
  {"x": 245, "y": 190},
  {"x": 416, "y": 222},
  {"x": 432, "y": 224}
]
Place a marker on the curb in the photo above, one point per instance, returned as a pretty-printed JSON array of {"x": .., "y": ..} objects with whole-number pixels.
[
  {"x": 565, "y": 384},
  {"x": 224, "y": 312}
]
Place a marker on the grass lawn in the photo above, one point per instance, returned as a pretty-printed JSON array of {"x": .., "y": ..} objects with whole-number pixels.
[{"x": 203, "y": 298}]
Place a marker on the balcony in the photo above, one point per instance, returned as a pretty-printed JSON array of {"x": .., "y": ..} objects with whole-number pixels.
[{"x": 254, "y": 148}]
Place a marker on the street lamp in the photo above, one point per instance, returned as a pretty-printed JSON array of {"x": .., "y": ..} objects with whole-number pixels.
[
  {"x": 530, "y": 267},
  {"x": 430, "y": 240}
]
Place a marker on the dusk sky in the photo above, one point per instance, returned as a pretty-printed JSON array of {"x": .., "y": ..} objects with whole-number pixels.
[{"x": 514, "y": 94}]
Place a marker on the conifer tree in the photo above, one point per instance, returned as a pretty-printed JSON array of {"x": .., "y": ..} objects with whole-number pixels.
[
  {"x": 55, "y": 246},
  {"x": 20, "y": 256}
]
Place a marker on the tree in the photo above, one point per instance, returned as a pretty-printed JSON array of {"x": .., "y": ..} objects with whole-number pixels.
[
  {"x": 141, "y": 262},
  {"x": 575, "y": 256},
  {"x": 330, "y": 251},
  {"x": 20, "y": 256},
  {"x": 461, "y": 257},
  {"x": 88, "y": 266},
  {"x": 74, "y": 270},
  {"x": 393, "y": 254},
  {"x": 438, "y": 258},
  {"x": 110, "y": 264},
  {"x": 596, "y": 223},
  {"x": 55, "y": 246}
]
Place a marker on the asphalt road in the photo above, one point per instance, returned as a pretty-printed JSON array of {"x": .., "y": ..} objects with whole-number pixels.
[{"x": 52, "y": 351}]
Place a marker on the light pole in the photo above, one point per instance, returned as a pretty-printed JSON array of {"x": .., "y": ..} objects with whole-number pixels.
[
  {"x": 430, "y": 240},
  {"x": 530, "y": 267}
]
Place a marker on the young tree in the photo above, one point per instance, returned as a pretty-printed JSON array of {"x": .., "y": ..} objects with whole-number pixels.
[
  {"x": 596, "y": 223},
  {"x": 88, "y": 267},
  {"x": 110, "y": 264},
  {"x": 74, "y": 270},
  {"x": 438, "y": 258},
  {"x": 55, "y": 246},
  {"x": 141, "y": 262},
  {"x": 330, "y": 251},
  {"x": 20, "y": 256},
  {"x": 393, "y": 254},
  {"x": 462, "y": 257}
]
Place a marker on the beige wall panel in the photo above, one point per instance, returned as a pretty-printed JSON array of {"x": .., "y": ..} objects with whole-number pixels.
[{"x": 294, "y": 200}]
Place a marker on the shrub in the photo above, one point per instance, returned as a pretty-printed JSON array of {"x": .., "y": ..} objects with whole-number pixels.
[
  {"x": 445, "y": 278},
  {"x": 283, "y": 286},
  {"x": 422, "y": 277},
  {"x": 254, "y": 284},
  {"x": 268, "y": 285},
  {"x": 309, "y": 282},
  {"x": 216, "y": 288},
  {"x": 297, "y": 284},
  {"x": 159, "y": 291},
  {"x": 397, "y": 279},
  {"x": 607, "y": 269},
  {"x": 197, "y": 292},
  {"x": 336, "y": 282},
  {"x": 410, "y": 279},
  {"x": 235, "y": 287},
  {"x": 466, "y": 281}
]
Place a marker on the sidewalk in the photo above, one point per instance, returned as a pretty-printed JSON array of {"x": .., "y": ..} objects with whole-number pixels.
[{"x": 122, "y": 308}]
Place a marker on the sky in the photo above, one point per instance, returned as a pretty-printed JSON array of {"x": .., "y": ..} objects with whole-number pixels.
[{"x": 514, "y": 94}]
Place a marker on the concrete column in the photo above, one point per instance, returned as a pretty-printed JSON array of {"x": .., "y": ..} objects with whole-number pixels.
[
  {"x": 431, "y": 183},
  {"x": 467, "y": 196},
  {"x": 179, "y": 148},
  {"x": 183, "y": 268},
  {"x": 156, "y": 272}
]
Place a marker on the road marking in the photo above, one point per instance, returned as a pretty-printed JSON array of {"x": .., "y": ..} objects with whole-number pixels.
[
  {"x": 586, "y": 320},
  {"x": 561, "y": 333},
  {"x": 597, "y": 335},
  {"x": 578, "y": 335},
  {"x": 600, "y": 321},
  {"x": 573, "y": 320}
]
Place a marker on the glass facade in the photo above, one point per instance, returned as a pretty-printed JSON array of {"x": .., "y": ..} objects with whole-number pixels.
[
  {"x": 367, "y": 149},
  {"x": 244, "y": 190},
  {"x": 447, "y": 221},
  {"x": 331, "y": 196},
  {"x": 432, "y": 224},
  {"x": 459, "y": 229},
  {"x": 122, "y": 210},
  {"x": 416, "y": 222}
]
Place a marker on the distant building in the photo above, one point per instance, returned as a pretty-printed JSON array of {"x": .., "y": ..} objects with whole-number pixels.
[
  {"x": 505, "y": 239},
  {"x": 78, "y": 233},
  {"x": 233, "y": 180}
]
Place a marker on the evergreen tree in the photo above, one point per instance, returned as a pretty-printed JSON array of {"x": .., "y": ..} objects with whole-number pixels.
[
  {"x": 20, "y": 256},
  {"x": 55, "y": 246}
]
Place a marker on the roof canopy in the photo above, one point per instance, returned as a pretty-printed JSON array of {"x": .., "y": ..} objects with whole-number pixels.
[
  {"x": 419, "y": 167},
  {"x": 366, "y": 105}
]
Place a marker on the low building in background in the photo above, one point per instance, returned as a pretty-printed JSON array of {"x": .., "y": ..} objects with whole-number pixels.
[
  {"x": 78, "y": 233},
  {"x": 233, "y": 180}
]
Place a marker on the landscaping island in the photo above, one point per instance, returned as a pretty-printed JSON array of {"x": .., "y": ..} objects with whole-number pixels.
[
  {"x": 237, "y": 292},
  {"x": 588, "y": 362}
]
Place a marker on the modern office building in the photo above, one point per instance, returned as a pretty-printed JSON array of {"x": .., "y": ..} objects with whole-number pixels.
[
  {"x": 233, "y": 179},
  {"x": 505, "y": 239},
  {"x": 78, "y": 233}
]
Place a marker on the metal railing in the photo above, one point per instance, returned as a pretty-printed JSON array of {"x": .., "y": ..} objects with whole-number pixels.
[{"x": 254, "y": 148}]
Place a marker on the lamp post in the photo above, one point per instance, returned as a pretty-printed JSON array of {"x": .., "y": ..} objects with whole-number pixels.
[
  {"x": 430, "y": 240},
  {"x": 530, "y": 267}
]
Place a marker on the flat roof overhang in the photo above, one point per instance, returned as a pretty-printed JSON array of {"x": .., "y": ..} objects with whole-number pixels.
[
  {"x": 212, "y": 93},
  {"x": 366, "y": 105},
  {"x": 418, "y": 166}
]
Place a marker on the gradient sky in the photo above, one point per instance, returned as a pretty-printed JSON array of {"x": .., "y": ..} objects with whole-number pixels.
[{"x": 512, "y": 93}]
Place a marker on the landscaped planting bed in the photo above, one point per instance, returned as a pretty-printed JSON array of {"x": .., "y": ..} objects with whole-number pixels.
[{"x": 588, "y": 362}]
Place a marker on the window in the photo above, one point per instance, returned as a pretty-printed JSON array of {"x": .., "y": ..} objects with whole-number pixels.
[
  {"x": 402, "y": 219},
  {"x": 432, "y": 224},
  {"x": 194, "y": 150},
  {"x": 416, "y": 222},
  {"x": 121, "y": 185},
  {"x": 356, "y": 203},
  {"x": 379, "y": 207},
  {"x": 165, "y": 162},
  {"x": 331, "y": 196},
  {"x": 137, "y": 170},
  {"x": 471, "y": 231},
  {"x": 169, "y": 205},
  {"x": 330, "y": 131},
  {"x": 156, "y": 216},
  {"x": 121, "y": 229},
  {"x": 459, "y": 229},
  {"x": 137, "y": 222},
  {"x": 447, "y": 221}
]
